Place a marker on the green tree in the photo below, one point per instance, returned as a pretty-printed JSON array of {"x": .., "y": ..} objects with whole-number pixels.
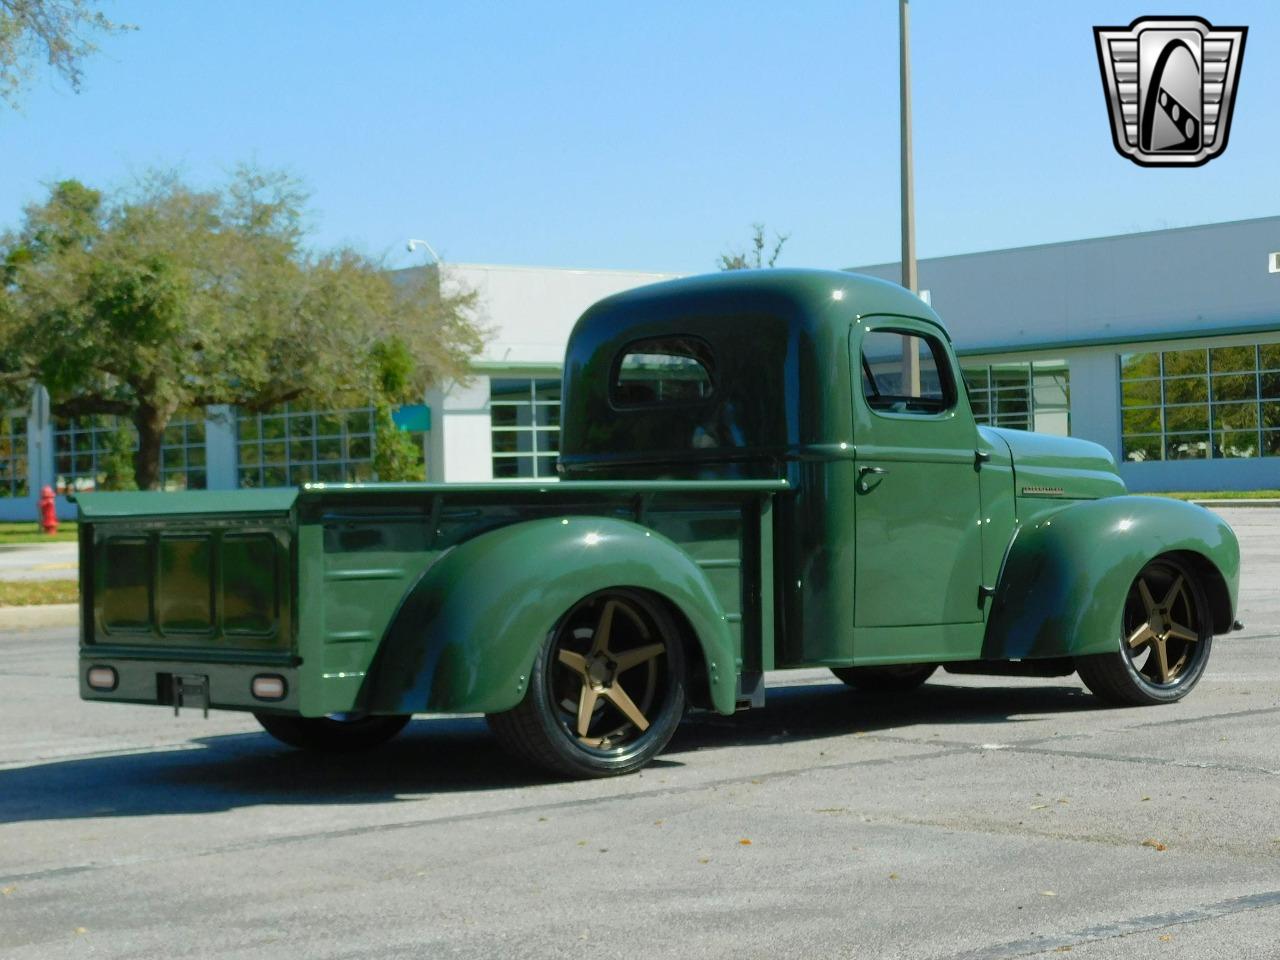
[
  {"x": 168, "y": 298},
  {"x": 116, "y": 463},
  {"x": 55, "y": 31},
  {"x": 396, "y": 455},
  {"x": 754, "y": 258}
]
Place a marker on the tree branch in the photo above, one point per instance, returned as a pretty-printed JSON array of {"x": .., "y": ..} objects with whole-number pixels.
[
  {"x": 258, "y": 404},
  {"x": 90, "y": 403}
]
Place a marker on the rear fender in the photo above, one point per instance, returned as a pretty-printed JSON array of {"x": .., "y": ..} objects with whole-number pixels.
[
  {"x": 1065, "y": 576},
  {"x": 466, "y": 634}
]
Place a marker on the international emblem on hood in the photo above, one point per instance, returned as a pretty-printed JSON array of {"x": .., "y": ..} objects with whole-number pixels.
[{"x": 1170, "y": 84}]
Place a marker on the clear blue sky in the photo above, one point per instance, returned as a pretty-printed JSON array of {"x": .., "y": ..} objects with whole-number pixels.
[{"x": 643, "y": 136}]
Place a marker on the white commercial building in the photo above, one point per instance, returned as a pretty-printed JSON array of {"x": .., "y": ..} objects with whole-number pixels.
[{"x": 505, "y": 422}]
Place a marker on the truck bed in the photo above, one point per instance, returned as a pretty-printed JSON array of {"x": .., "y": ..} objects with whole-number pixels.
[{"x": 304, "y": 583}]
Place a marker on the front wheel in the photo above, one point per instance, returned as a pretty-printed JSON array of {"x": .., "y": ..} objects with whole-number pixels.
[
  {"x": 606, "y": 692},
  {"x": 1165, "y": 637},
  {"x": 340, "y": 733}
]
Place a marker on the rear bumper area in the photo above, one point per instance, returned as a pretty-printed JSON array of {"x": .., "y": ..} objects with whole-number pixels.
[{"x": 227, "y": 686}]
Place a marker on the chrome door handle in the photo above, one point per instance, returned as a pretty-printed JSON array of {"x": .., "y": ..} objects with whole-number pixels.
[{"x": 864, "y": 472}]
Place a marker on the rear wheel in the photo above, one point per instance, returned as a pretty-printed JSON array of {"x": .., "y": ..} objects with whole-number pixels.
[
  {"x": 1165, "y": 637},
  {"x": 606, "y": 692},
  {"x": 339, "y": 733},
  {"x": 890, "y": 678}
]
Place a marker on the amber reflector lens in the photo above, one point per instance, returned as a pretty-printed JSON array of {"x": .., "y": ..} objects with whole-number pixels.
[
  {"x": 268, "y": 687},
  {"x": 102, "y": 678}
]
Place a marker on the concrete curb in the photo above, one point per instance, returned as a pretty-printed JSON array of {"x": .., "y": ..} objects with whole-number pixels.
[{"x": 46, "y": 615}]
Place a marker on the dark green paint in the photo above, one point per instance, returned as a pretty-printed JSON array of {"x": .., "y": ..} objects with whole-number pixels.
[
  {"x": 1068, "y": 570},
  {"x": 465, "y": 639},
  {"x": 742, "y": 510},
  {"x": 199, "y": 503}
]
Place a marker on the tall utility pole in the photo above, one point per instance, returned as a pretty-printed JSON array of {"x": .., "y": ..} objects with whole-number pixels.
[
  {"x": 908, "y": 193},
  {"x": 910, "y": 345}
]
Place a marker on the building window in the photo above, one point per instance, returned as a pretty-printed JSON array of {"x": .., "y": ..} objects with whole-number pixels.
[
  {"x": 1023, "y": 396},
  {"x": 182, "y": 457},
  {"x": 525, "y": 436},
  {"x": 13, "y": 455},
  {"x": 1218, "y": 403},
  {"x": 290, "y": 447},
  {"x": 81, "y": 444}
]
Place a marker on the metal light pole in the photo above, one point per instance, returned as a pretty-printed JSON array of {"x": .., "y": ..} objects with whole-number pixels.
[
  {"x": 908, "y": 193},
  {"x": 411, "y": 245},
  {"x": 910, "y": 345}
]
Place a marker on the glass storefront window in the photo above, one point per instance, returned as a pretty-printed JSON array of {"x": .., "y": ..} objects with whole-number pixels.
[
  {"x": 289, "y": 447},
  {"x": 80, "y": 446},
  {"x": 1216, "y": 403},
  {"x": 1024, "y": 396}
]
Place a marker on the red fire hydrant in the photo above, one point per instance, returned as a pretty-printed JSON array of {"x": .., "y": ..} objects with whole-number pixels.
[{"x": 48, "y": 511}]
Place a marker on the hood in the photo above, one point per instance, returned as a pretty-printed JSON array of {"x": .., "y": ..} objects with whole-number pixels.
[{"x": 1058, "y": 468}]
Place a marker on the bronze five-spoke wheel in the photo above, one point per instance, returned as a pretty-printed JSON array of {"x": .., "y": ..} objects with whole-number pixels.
[
  {"x": 607, "y": 689},
  {"x": 1165, "y": 637}
]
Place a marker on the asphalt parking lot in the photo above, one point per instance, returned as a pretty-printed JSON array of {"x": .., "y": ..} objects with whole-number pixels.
[{"x": 980, "y": 818}]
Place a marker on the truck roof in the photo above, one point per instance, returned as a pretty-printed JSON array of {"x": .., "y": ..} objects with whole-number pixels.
[
  {"x": 814, "y": 291},
  {"x": 724, "y": 375}
]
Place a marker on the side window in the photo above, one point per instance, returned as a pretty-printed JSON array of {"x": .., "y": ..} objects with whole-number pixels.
[
  {"x": 666, "y": 370},
  {"x": 904, "y": 373}
]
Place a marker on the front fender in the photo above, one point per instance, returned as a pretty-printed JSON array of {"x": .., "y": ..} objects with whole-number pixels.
[
  {"x": 1065, "y": 576},
  {"x": 466, "y": 634}
]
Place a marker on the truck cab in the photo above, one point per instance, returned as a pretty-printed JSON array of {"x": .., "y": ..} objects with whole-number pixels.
[{"x": 890, "y": 546}]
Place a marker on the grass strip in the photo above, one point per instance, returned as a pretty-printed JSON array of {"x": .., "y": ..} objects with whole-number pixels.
[
  {"x": 31, "y": 533},
  {"x": 1221, "y": 495},
  {"x": 31, "y": 593}
]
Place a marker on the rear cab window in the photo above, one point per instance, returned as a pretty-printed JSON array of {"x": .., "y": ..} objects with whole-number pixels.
[{"x": 665, "y": 370}]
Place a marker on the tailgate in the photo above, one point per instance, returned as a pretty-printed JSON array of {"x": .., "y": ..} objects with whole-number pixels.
[{"x": 200, "y": 576}]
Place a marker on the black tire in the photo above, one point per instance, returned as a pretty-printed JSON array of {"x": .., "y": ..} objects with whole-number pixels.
[
  {"x": 336, "y": 734},
  {"x": 887, "y": 679},
  {"x": 1153, "y": 626},
  {"x": 570, "y": 721}
]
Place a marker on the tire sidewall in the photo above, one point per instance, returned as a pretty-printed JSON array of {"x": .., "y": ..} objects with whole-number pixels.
[
  {"x": 573, "y": 756},
  {"x": 1156, "y": 693},
  {"x": 1178, "y": 690}
]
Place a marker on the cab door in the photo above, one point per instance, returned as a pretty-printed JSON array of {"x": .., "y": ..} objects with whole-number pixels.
[{"x": 918, "y": 558}]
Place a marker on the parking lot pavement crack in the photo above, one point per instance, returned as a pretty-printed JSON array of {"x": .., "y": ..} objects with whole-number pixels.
[
  {"x": 1145, "y": 761},
  {"x": 1121, "y": 928},
  {"x": 1009, "y": 827},
  {"x": 1203, "y": 718},
  {"x": 533, "y": 808}
]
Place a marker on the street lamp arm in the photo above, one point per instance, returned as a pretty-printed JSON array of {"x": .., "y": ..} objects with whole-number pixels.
[{"x": 412, "y": 245}]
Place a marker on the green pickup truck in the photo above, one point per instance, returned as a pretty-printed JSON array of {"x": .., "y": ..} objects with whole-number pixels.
[{"x": 760, "y": 471}]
